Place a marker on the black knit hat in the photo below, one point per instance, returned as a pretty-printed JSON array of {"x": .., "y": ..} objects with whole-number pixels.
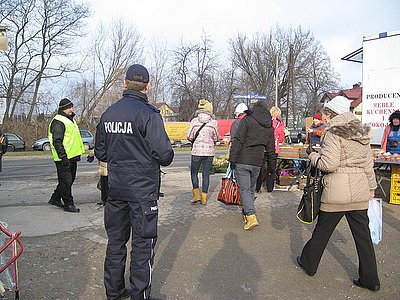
[{"x": 65, "y": 104}]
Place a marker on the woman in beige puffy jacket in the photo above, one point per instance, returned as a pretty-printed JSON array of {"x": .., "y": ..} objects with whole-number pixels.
[{"x": 349, "y": 184}]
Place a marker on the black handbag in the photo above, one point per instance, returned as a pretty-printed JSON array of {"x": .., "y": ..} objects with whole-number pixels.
[{"x": 310, "y": 202}]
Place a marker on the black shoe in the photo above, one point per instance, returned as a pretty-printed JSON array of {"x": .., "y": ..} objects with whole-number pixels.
[
  {"x": 358, "y": 283},
  {"x": 57, "y": 203},
  {"x": 298, "y": 259},
  {"x": 71, "y": 208},
  {"x": 101, "y": 203}
]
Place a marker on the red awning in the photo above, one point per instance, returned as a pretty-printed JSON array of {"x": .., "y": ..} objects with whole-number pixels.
[{"x": 225, "y": 126}]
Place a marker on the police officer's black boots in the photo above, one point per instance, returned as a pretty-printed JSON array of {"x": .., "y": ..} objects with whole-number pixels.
[{"x": 55, "y": 202}]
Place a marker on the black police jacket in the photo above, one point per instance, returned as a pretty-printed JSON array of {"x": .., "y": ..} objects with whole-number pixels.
[{"x": 131, "y": 138}]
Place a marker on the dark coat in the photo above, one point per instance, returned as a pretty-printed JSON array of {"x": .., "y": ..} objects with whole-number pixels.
[
  {"x": 3, "y": 143},
  {"x": 131, "y": 138},
  {"x": 255, "y": 135}
]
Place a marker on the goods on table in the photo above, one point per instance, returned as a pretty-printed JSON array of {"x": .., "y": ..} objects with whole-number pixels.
[
  {"x": 220, "y": 164},
  {"x": 380, "y": 154},
  {"x": 296, "y": 151},
  {"x": 220, "y": 160}
]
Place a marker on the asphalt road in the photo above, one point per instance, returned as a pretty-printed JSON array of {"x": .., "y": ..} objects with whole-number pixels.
[
  {"x": 22, "y": 168},
  {"x": 30, "y": 180}
]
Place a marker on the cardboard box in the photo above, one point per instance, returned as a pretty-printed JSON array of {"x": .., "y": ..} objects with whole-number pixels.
[{"x": 286, "y": 179}]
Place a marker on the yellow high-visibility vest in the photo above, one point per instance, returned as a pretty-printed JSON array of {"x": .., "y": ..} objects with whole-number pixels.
[{"x": 72, "y": 140}]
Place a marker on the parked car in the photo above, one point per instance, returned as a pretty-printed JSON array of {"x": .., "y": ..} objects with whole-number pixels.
[
  {"x": 15, "y": 142},
  {"x": 296, "y": 136},
  {"x": 44, "y": 144}
]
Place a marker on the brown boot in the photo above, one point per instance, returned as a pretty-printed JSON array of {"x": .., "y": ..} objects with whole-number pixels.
[
  {"x": 204, "y": 198},
  {"x": 196, "y": 195},
  {"x": 251, "y": 222}
]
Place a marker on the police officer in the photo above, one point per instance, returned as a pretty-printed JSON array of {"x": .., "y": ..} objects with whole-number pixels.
[
  {"x": 131, "y": 139},
  {"x": 66, "y": 147}
]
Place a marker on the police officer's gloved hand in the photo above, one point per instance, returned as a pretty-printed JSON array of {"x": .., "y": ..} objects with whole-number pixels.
[
  {"x": 233, "y": 165},
  {"x": 65, "y": 163}
]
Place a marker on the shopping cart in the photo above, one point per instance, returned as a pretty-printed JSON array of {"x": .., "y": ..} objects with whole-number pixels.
[{"x": 9, "y": 268}]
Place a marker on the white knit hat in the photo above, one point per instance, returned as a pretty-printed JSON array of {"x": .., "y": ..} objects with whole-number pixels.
[
  {"x": 338, "y": 104},
  {"x": 241, "y": 108}
]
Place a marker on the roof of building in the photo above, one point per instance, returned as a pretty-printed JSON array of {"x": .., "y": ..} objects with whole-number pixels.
[
  {"x": 173, "y": 108},
  {"x": 328, "y": 95},
  {"x": 354, "y": 94}
]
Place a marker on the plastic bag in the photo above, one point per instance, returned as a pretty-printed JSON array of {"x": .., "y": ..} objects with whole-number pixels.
[
  {"x": 375, "y": 219},
  {"x": 5, "y": 277}
]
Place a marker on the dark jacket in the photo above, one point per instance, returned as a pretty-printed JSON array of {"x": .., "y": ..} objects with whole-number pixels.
[
  {"x": 235, "y": 126},
  {"x": 57, "y": 128},
  {"x": 254, "y": 135},
  {"x": 131, "y": 138}
]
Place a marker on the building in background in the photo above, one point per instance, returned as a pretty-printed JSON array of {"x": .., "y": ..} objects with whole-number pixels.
[
  {"x": 168, "y": 113},
  {"x": 354, "y": 95}
]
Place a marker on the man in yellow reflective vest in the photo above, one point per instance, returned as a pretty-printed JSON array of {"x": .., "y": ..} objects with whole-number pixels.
[{"x": 66, "y": 147}]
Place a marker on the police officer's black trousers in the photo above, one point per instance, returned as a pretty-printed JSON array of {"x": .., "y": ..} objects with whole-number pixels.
[
  {"x": 66, "y": 177},
  {"x": 121, "y": 218},
  {"x": 326, "y": 224}
]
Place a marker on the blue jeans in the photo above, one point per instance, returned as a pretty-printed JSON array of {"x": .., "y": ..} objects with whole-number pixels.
[
  {"x": 246, "y": 177},
  {"x": 195, "y": 163}
]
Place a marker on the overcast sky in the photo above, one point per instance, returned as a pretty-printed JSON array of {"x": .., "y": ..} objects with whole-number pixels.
[{"x": 339, "y": 24}]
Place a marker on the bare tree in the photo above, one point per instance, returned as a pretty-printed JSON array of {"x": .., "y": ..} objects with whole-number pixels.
[
  {"x": 158, "y": 71},
  {"x": 41, "y": 32},
  {"x": 192, "y": 75},
  {"x": 303, "y": 67},
  {"x": 115, "y": 47}
]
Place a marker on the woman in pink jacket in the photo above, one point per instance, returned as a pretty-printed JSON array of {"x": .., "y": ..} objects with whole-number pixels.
[
  {"x": 203, "y": 133},
  {"x": 279, "y": 134}
]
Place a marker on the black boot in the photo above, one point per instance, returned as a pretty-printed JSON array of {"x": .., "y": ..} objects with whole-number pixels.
[
  {"x": 71, "y": 208},
  {"x": 358, "y": 283},
  {"x": 57, "y": 203}
]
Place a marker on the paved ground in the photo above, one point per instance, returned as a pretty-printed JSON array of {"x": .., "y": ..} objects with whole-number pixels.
[{"x": 202, "y": 251}]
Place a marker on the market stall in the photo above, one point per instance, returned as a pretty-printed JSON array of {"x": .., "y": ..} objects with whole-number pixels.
[
  {"x": 292, "y": 166},
  {"x": 385, "y": 162}
]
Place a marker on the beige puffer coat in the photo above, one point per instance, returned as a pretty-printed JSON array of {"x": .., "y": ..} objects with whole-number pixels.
[{"x": 346, "y": 157}]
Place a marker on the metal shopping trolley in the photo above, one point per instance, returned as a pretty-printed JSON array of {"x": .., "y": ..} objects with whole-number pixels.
[{"x": 8, "y": 260}]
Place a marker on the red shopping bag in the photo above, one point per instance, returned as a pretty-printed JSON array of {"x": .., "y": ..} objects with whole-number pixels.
[{"x": 229, "y": 193}]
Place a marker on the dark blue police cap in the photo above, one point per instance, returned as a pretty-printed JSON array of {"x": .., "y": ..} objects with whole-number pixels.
[{"x": 137, "y": 73}]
